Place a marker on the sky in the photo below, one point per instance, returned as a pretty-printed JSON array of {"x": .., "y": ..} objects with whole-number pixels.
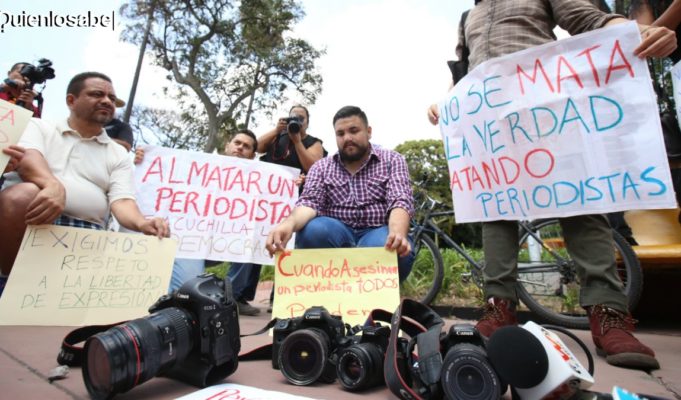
[{"x": 386, "y": 56}]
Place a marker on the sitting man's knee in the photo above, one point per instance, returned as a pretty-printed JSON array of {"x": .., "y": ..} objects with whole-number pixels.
[{"x": 17, "y": 198}]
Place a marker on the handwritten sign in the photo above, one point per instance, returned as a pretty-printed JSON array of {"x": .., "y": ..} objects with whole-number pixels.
[
  {"x": 13, "y": 121},
  {"x": 230, "y": 391},
  {"x": 73, "y": 276},
  {"x": 676, "y": 84},
  {"x": 219, "y": 208},
  {"x": 567, "y": 128},
  {"x": 348, "y": 282}
]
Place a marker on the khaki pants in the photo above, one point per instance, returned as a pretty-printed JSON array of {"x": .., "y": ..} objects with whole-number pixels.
[{"x": 589, "y": 241}]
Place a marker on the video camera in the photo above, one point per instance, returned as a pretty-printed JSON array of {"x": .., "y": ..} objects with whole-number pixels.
[
  {"x": 38, "y": 74},
  {"x": 191, "y": 335}
]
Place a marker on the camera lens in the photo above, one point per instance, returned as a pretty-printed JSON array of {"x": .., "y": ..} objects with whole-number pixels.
[
  {"x": 360, "y": 366},
  {"x": 294, "y": 126},
  {"x": 468, "y": 375},
  {"x": 304, "y": 355},
  {"x": 129, "y": 354}
]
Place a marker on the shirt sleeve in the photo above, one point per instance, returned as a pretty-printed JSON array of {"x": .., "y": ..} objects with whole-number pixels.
[
  {"x": 399, "y": 194},
  {"x": 313, "y": 190},
  {"x": 34, "y": 136},
  {"x": 121, "y": 185},
  {"x": 579, "y": 16}
]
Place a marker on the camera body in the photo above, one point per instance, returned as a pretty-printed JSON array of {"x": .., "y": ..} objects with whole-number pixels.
[
  {"x": 466, "y": 366},
  {"x": 191, "y": 335},
  {"x": 215, "y": 313},
  {"x": 38, "y": 74},
  {"x": 293, "y": 125},
  {"x": 360, "y": 361},
  {"x": 303, "y": 347}
]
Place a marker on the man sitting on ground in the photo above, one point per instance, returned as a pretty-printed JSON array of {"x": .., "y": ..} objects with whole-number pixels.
[
  {"x": 72, "y": 173},
  {"x": 359, "y": 197}
]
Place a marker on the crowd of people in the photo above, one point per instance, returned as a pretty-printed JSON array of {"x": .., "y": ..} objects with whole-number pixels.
[{"x": 77, "y": 172}]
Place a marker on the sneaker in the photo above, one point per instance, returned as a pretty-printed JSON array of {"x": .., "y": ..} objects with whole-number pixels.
[
  {"x": 612, "y": 333},
  {"x": 247, "y": 309},
  {"x": 496, "y": 313}
]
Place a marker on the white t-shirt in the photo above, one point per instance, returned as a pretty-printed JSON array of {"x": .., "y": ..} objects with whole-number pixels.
[{"x": 95, "y": 172}]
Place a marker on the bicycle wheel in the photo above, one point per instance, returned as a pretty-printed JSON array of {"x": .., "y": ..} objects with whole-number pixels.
[
  {"x": 548, "y": 283},
  {"x": 427, "y": 272}
]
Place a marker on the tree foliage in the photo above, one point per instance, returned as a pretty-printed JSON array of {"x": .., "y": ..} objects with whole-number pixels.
[{"x": 228, "y": 59}]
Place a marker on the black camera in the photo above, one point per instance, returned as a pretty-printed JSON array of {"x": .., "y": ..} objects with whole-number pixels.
[
  {"x": 294, "y": 125},
  {"x": 192, "y": 335},
  {"x": 304, "y": 347},
  {"x": 360, "y": 364},
  {"x": 466, "y": 370},
  {"x": 38, "y": 74}
]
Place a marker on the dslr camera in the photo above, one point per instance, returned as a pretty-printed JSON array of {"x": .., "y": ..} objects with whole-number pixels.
[
  {"x": 293, "y": 125},
  {"x": 37, "y": 74},
  {"x": 304, "y": 347},
  {"x": 360, "y": 362},
  {"x": 466, "y": 371},
  {"x": 191, "y": 335}
]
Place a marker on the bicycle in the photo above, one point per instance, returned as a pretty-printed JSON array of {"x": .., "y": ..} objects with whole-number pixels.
[{"x": 548, "y": 283}]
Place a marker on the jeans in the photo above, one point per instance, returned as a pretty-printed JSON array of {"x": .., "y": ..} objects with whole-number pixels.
[
  {"x": 185, "y": 269},
  {"x": 244, "y": 278},
  {"x": 326, "y": 232}
]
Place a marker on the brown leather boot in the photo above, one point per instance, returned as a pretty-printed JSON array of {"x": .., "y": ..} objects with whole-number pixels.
[
  {"x": 496, "y": 313},
  {"x": 612, "y": 332}
]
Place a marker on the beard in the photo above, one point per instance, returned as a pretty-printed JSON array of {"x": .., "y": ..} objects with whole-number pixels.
[{"x": 352, "y": 157}]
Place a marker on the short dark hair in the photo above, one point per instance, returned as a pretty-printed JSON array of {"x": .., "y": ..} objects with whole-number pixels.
[
  {"x": 78, "y": 82},
  {"x": 16, "y": 66},
  {"x": 350, "y": 111},
  {"x": 248, "y": 133},
  {"x": 304, "y": 108}
]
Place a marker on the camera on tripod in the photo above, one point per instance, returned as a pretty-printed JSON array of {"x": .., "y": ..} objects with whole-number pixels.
[
  {"x": 191, "y": 335},
  {"x": 304, "y": 347},
  {"x": 466, "y": 371},
  {"x": 37, "y": 74}
]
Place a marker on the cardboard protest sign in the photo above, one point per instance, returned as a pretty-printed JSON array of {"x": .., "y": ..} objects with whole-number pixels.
[
  {"x": 218, "y": 207},
  {"x": 231, "y": 391},
  {"x": 73, "y": 276},
  {"x": 348, "y": 282},
  {"x": 13, "y": 121},
  {"x": 567, "y": 128}
]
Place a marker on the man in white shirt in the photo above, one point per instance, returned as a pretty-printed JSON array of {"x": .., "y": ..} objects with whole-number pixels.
[{"x": 72, "y": 173}]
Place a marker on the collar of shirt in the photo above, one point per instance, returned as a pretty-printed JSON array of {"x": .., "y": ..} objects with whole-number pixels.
[
  {"x": 64, "y": 128},
  {"x": 372, "y": 155}
]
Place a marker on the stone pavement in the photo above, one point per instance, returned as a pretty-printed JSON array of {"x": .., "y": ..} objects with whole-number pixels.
[{"x": 28, "y": 353}]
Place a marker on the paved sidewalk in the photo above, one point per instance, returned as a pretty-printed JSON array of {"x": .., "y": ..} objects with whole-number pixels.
[{"x": 28, "y": 353}]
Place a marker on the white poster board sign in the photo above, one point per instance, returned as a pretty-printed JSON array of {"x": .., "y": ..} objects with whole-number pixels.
[
  {"x": 218, "y": 207},
  {"x": 571, "y": 127}
]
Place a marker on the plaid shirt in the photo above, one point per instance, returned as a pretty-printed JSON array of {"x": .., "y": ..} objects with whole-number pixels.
[
  {"x": 364, "y": 199},
  {"x": 498, "y": 27},
  {"x": 65, "y": 220}
]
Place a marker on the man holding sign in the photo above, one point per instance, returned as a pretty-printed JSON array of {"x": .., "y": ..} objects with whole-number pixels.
[
  {"x": 359, "y": 197},
  {"x": 494, "y": 29},
  {"x": 72, "y": 174}
]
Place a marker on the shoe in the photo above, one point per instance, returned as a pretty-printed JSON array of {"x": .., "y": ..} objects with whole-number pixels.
[
  {"x": 612, "y": 333},
  {"x": 247, "y": 309},
  {"x": 496, "y": 313}
]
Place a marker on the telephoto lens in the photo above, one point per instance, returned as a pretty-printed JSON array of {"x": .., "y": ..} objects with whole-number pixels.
[
  {"x": 129, "y": 354},
  {"x": 294, "y": 125},
  {"x": 468, "y": 375},
  {"x": 304, "y": 357}
]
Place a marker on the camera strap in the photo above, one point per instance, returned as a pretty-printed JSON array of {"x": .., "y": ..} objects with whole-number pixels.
[
  {"x": 410, "y": 377},
  {"x": 262, "y": 352},
  {"x": 72, "y": 355}
]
